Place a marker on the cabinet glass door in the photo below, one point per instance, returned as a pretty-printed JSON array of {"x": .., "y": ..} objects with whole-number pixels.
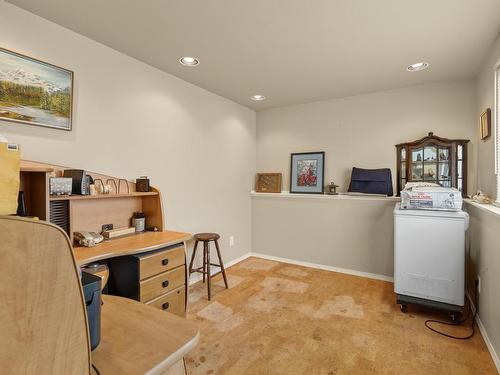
[
  {"x": 417, "y": 164},
  {"x": 402, "y": 167},
  {"x": 460, "y": 168},
  {"x": 431, "y": 164},
  {"x": 444, "y": 170},
  {"x": 430, "y": 167}
]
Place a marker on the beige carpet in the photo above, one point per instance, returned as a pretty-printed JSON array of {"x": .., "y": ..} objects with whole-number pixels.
[{"x": 278, "y": 318}]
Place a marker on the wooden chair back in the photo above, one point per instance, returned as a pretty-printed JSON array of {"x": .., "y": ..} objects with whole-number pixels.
[{"x": 43, "y": 322}]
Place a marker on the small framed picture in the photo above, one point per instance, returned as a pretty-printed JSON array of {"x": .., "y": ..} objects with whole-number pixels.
[
  {"x": 485, "y": 124},
  {"x": 268, "y": 183},
  {"x": 307, "y": 172}
]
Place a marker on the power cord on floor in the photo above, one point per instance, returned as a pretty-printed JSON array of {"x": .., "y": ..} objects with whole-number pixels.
[
  {"x": 458, "y": 322},
  {"x": 95, "y": 369}
]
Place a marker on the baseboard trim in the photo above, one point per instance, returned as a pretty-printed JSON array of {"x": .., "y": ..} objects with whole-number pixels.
[
  {"x": 195, "y": 277},
  {"x": 489, "y": 345},
  {"x": 486, "y": 338},
  {"x": 324, "y": 267}
]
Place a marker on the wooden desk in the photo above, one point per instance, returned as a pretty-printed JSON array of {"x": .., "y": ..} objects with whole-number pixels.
[
  {"x": 133, "y": 244},
  {"x": 138, "y": 271},
  {"x": 139, "y": 339}
]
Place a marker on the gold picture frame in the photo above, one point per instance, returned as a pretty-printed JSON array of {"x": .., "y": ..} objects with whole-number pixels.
[
  {"x": 268, "y": 183},
  {"x": 35, "y": 92},
  {"x": 485, "y": 124}
]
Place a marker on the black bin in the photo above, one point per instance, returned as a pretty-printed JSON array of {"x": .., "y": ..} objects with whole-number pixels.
[
  {"x": 92, "y": 292},
  {"x": 371, "y": 181}
]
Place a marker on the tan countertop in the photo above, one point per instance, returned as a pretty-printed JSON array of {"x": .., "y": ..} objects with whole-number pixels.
[
  {"x": 140, "y": 339},
  {"x": 133, "y": 244}
]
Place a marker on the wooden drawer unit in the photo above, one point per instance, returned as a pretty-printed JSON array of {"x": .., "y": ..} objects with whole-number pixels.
[
  {"x": 157, "y": 262},
  {"x": 173, "y": 302},
  {"x": 160, "y": 284},
  {"x": 151, "y": 277}
]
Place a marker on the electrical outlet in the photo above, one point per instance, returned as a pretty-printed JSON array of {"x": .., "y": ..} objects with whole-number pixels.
[
  {"x": 106, "y": 227},
  {"x": 479, "y": 284},
  {"x": 231, "y": 241}
]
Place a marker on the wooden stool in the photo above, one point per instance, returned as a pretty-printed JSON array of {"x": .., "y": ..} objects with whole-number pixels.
[{"x": 205, "y": 269}]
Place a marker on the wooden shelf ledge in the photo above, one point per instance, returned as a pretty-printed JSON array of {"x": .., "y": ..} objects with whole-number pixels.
[
  {"x": 102, "y": 196},
  {"x": 340, "y": 196},
  {"x": 36, "y": 169}
]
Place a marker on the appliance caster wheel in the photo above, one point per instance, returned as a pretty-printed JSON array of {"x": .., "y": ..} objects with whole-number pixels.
[{"x": 404, "y": 308}]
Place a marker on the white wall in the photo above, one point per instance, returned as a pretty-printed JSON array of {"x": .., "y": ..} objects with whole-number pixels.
[
  {"x": 485, "y": 92},
  {"x": 484, "y": 234},
  {"x": 131, "y": 119},
  {"x": 483, "y": 259},
  {"x": 352, "y": 233},
  {"x": 362, "y": 130}
]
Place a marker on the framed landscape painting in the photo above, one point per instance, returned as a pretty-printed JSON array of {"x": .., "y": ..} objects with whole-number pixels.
[
  {"x": 34, "y": 92},
  {"x": 307, "y": 172}
]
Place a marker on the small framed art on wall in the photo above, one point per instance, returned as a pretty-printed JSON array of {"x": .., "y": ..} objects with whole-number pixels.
[
  {"x": 307, "y": 172},
  {"x": 268, "y": 183}
]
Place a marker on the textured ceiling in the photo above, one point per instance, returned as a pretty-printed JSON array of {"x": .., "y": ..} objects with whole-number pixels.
[{"x": 292, "y": 51}]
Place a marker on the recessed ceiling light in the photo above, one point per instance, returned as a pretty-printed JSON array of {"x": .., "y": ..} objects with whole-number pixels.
[
  {"x": 417, "y": 66},
  {"x": 189, "y": 61},
  {"x": 257, "y": 97}
]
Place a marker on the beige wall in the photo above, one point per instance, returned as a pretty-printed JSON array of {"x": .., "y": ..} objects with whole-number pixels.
[
  {"x": 484, "y": 234},
  {"x": 485, "y": 151},
  {"x": 362, "y": 130},
  {"x": 343, "y": 232},
  {"x": 131, "y": 119},
  {"x": 483, "y": 259}
]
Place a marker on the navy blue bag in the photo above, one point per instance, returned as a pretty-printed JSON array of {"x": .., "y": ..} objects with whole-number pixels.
[{"x": 371, "y": 181}]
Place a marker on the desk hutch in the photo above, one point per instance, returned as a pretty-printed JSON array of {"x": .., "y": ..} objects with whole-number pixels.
[{"x": 149, "y": 267}]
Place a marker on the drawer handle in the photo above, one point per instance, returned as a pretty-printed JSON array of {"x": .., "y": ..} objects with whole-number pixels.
[
  {"x": 164, "y": 262},
  {"x": 165, "y": 306},
  {"x": 165, "y": 283}
]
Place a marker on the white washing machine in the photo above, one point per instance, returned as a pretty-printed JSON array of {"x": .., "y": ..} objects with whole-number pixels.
[{"x": 429, "y": 258}]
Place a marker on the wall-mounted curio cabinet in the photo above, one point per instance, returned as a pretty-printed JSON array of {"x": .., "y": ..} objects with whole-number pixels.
[{"x": 433, "y": 159}]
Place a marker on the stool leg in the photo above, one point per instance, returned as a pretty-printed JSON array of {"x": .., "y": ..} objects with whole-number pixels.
[
  {"x": 221, "y": 264},
  {"x": 192, "y": 257},
  {"x": 204, "y": 261},
  {"x": 208, "y": 269}
]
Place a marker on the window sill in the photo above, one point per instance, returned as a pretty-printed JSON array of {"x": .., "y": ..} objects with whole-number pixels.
[
  {"x": 492, "y": 209},
  {"x": 340, "y": 196}
]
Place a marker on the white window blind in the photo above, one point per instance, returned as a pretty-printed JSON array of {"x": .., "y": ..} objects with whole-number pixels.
[{"x": 496, "y": 120}]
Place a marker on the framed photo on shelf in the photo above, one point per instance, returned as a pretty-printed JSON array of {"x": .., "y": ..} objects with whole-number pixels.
[
  {"x": 268, "y": 183},
  {"x": 307, "y": 172},
  {"x": 34, "y": 92},
  {"x": 485, "y": 124}
]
